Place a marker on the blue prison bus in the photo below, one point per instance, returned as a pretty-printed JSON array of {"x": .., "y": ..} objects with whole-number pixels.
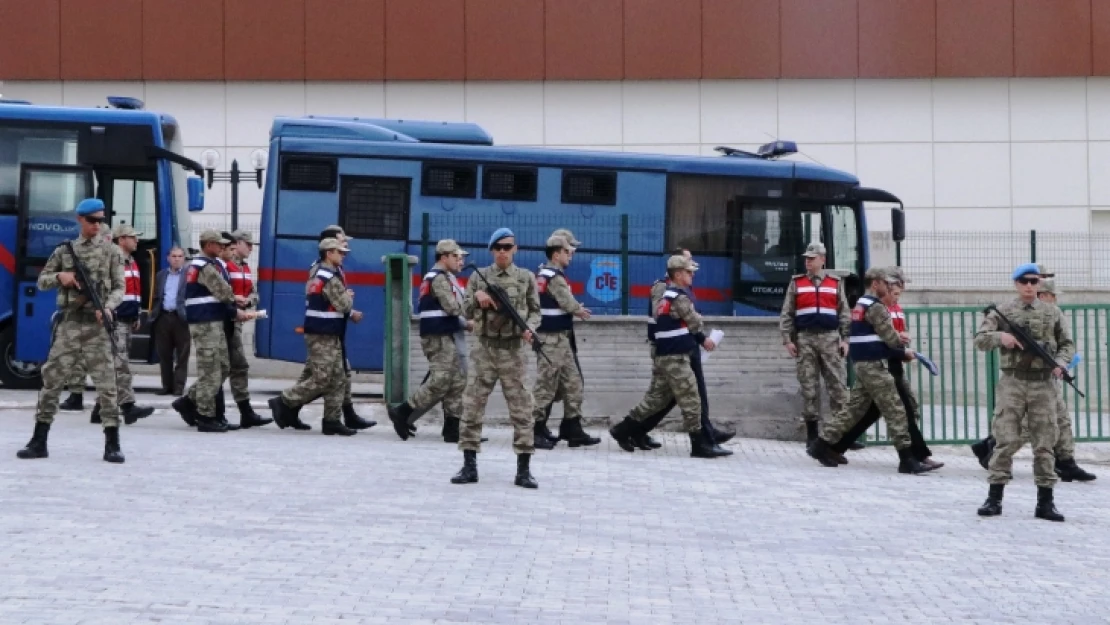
[
  {"x": 51, "y": 157},
  {"x": 394, "y": 185}
]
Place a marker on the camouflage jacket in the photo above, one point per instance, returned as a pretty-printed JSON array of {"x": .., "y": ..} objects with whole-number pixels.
[
  {"x": 105, "y": 267},
  {"x": 1044, "y": 322},
  {"x": 520, "y": 285}
]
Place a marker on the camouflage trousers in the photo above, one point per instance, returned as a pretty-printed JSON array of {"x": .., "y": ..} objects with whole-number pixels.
[
  {"x": 488, "y": 365},
  {"x": 1035, "y": 403},
  {"x": 125, "y": 392},
  {"x": 210, "y": 346},
  {"x": 1065, "y": 437},
  {"x": 672, "y": 378},
  {"x": 78, "y": 338},
  {"x": 819, "y": 357},
  {"x": 446, "y": 380},
  {"x": 323, "y": 376},
  {"x": 874, "y": 383},
  {"x": 558, "y": 378},
  {"x": 306, "y": 374},
  {"x": 237, "y": 359}
]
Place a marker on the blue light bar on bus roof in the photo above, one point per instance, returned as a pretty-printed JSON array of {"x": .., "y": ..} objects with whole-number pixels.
[
  {"x": 776, "y": 149},
  {"x": 125, "y": 102}
]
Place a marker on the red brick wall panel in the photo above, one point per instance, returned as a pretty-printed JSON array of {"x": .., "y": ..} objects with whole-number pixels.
[
  {"x": 662, "y": 39},
  {"x": 1052, "y": 37},
  {"x": 504, "y": 39},
  {"x": 344, "y": 39},
  {"x": 183, "y": 39},
  {"x": 820, "y": 39},
  {"x": 30, "y": 46},
  {"x": 1100, "y": 21},
  {"x": 101, "y": 39},
  {"x": 425, "y": 40},
  {"x": 975, "y": 38},
  {"x": 897, "y": 38},
  {"x": 264, "y": 40},
  {"x": 584, "y": 40},
  {"x": 740, "y": 39}
]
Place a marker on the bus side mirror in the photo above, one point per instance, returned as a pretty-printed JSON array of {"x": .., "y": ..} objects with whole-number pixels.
[
  {"x": 196, "y": 194},
  {"x": 898, "y": 224}
]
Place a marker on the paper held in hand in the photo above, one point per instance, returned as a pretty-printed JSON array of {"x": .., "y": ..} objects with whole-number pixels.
[{"x": 716, "y": 336}]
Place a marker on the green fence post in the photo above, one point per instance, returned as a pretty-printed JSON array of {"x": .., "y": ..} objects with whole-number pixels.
[
  {"x": 398, "y": 310},
  {"x": 1032, "y": 246},
  {"x": 624, "y": 265},
  {"x": 425, "y": 240}
]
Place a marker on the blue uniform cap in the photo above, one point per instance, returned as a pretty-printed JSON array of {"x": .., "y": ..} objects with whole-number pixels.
[
  {"x": 89, "y": 206},
  {"x": 1027, "y": 268},
  {"x": 500, "y": 233}
]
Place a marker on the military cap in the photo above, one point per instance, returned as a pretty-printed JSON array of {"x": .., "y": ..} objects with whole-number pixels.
[
  {"x": 875, "y": 273},
  {"x": 681, "y": 262},
  {"x": 1047, "y": 285},
  {"x": 332, "y": 244},
  {"x": 124, "y": 230},
  {"x": 213, "y": 236},
  {"x": 814, "y": 250},
  {"x": 560, "y": 241},
  {"x": 569, "y": 236},
  {"x": 500, "y": 233},
  {"x": 1027, "y": 269},
  {"x": 895, "y": 274},
  {"x": 1044, "y": 271},
  {"x": 243, "y": 235},
  {"x": 449, "y": 246},
  {"x": 89, "y": 206}
]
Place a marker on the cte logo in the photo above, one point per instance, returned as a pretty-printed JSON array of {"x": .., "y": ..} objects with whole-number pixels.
[{"x": 604, "y": 283}]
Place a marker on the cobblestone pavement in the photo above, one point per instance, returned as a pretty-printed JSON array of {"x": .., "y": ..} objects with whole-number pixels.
[{"x": 272, "y": 527}]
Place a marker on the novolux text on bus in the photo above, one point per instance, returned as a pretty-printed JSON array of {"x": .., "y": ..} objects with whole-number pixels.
[
  {"x": 394, "y": 185},
  {"x": 51, "y": 157}
]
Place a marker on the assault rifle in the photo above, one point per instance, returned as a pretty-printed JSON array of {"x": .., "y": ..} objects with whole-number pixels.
[
  {"x": 88, "y": 289},
  {"x": 1033, "y": 347},
  {"x": 504, "y": 306}
]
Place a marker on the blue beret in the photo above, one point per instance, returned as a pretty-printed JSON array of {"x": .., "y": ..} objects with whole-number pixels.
[
  {"x": 499, "y": 234},
  {"x": 89, "y": 206},
  {"x": 1027, "y": 268}
]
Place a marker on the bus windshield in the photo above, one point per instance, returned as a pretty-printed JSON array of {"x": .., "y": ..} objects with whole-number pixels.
[{"x": 182, "y": 221}]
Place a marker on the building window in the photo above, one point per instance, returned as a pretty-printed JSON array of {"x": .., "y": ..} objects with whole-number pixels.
[
  {"x": 375, "y": 208},
  {"x": 509, "y": 183},
  {"x": 590, "y": 187},
  {"x": 449, "y": 180}
]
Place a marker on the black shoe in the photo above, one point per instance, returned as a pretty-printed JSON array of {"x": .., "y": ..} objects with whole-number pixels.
[
  {"x": 1045, "y": 508},
  {"x": 75, "y": 402},
  {"x": 450, "y": 429},
  {"x": 211, "y": 424},
  {"x": 541, "y": 430},
  {"x": 644, "y": 442},
  {"x": 399, "y": 416},
  {"x": 908, "y": 464},
  {"x": 624, "y": 433},
  {"x": 248, "y": 418},
  {"x": 95, "y": 416},
  {"x": 36, "y": 448},
  {"x": 335, "y": 427},
  {"x": 570, "y": 430},
  {"x": 983, "y": 450},
  {"x": 812, "y": 433},
  {"x": 721, "y": 436},
  {"x": 132, "y": 413},
  {"x": 1068, "y": 470},
  {"x": 231, "y": 427},
  {"x": 702, "y": 446},
  {"x": 540, "y": 441},
  {"x": 112, "y": 452},
  {"x": 993, "y": 505},
  {"x": 468, "y": 474},
  {"x": 353, "y": 421},
  {"x": 524, "y": 477},
  {"x": 281, "y": 412},
  {"x": 822, "y": 452},
  {"x": 187, "y": 408},
  {"x": 856, "y": 446}
]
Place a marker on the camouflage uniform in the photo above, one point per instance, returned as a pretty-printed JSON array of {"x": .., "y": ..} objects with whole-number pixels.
[
  {"x": 237, "y": 356},
  {"x": 672, "y": 378},
  {"x": 560, "y": 376},
  {"x": 210, "y": 344},
  {"x": 324, "y": 373},
  {"x": 78, "y": 338},
  {"x": 818, "y": 352},
  {"x": 1026, "y": 389},
  {"x": 446, "y": 379},
  {"x": 305, "y": 373},
  {"x": 499, "y": 356}
]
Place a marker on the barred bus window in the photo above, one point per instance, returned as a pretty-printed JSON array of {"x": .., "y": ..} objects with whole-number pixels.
[
  {"x": 449, "y": 180},
  {"x": 309, "y": 174},
  {"x": 590, "y": 187},
  {"x": 509, "y": 183},
  {"x": 372, "y": 207}
]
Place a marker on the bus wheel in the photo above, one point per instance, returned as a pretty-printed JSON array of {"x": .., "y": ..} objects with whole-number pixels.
[{"x": 16, "y": 373}]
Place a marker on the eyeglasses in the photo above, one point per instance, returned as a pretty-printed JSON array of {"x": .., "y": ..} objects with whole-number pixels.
[
  {"x": 502, "y": 247},
  {"x": 95, "y": 220},
  {"x": 1029, "y": 280}
]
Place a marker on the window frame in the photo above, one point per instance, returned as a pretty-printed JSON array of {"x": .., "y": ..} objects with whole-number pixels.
[
  {"x": 404, "y": 186},
  {"x": 514, "y": 169},
  {"x": 285, "y": 185},
  {"x": 470, "y": 192}
]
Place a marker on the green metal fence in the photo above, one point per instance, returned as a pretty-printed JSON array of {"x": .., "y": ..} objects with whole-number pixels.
[{"x": 957, "y": 406}]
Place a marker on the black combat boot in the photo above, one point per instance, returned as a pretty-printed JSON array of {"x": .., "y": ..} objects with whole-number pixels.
[
  {"x": 993, "y": 505},
  {"x": 1067, "y": 470},
  {"x": 112, "y": 452},
  {"x": 132, "y": 413},
  {"x": 702, "y": 446},
  {"x": 570, "y": 430},
  {"x": 335, "y": 427},
  {"x": 295, "y": 419},
  {"x": 75, "y": 402},
  {"x": 187, "y": 408},
  {"x": 352, "y": 420},
  {"x": 248, "y": 418},
  {"x": 542, "y": 426},
  {"x": 36, "y": 448},
  {"x": 643, "y": 441},
  {"x": 524, "y": 477},
  {"x": 95, "y": 416},
  {"x": 983, "y": 450},
  {"x": 468, "y": 474},
  {"x": 450, "y": 429},
  {"x": 856, "y": 446},
  {"x": 625, "y": 432},
  {"x": 399, "y": 416},
  {"x": 221, "y": 413},
  {"x": 908, "y": 464},
  {"x": 214, "y": 425},
  {"x": 721, "y": 436},
  {"x": 822, "y": 452},
  {"x": 811, "y": 433},
  {"x": 539, "y": 440},
  {"x": 1045, "y": 508}
]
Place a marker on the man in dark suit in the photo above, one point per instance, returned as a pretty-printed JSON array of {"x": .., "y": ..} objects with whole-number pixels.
[{"x": 171, "y": 331}]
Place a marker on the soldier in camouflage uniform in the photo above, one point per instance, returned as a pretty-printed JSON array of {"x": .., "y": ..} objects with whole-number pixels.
[
  {"x": 328, "y": 304},
  {"x": 814, "y": 324},
  {"x": 440, "y": 310},
  {"x": 678, "y": 332},
  {"x": 79, "y": 334},
  {"x": 1026, "y": 389},
  {"x": 559, "y": 371},
  {"x": 209, "y": 303},
  {"x": 76, "y": 384},
  {"x": 499, "y": 356},
  {"x": 242, "y": 283},
  {"x": 873, "y": 342}
]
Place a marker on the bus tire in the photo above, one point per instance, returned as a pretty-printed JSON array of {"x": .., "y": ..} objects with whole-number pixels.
[{"x": 13, "y": 373}]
